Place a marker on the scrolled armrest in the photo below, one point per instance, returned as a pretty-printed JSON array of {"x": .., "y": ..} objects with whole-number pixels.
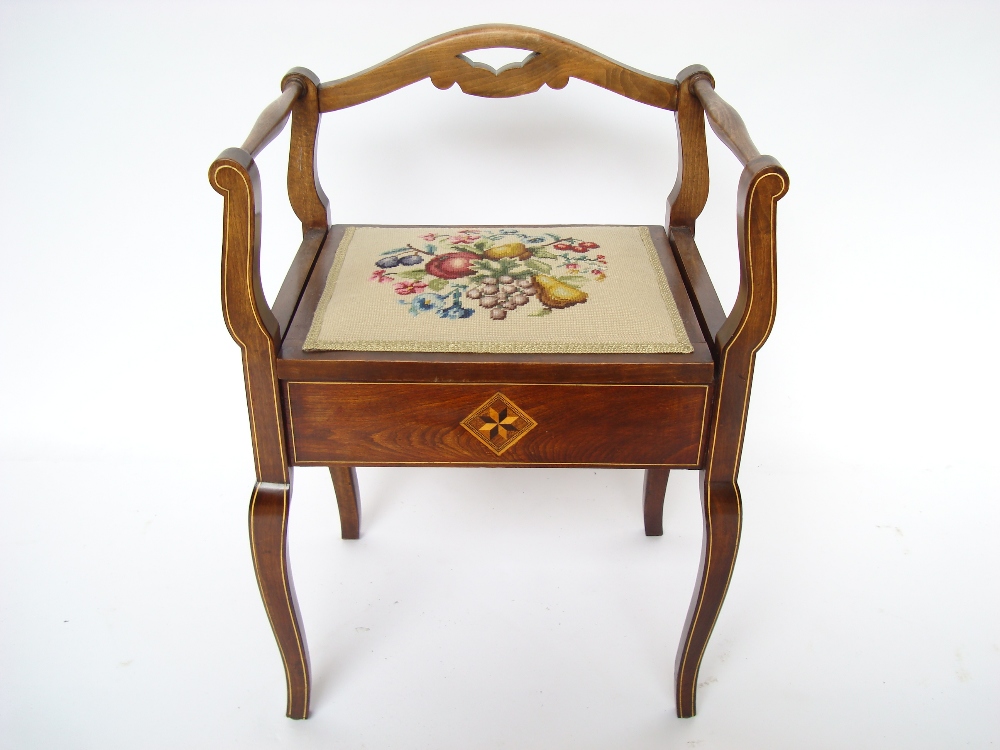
[
  {"x": 234, "y": 175},
  {"x": 763, "y": 183},
  {"x": 248, "y": 317}
]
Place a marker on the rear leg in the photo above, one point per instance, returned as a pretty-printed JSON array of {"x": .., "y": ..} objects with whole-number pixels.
[
  {"x": 653, "y": 491},
  {"x": 345, "y": 485}
]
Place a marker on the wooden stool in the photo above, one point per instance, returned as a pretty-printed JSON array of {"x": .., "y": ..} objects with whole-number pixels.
[{"x": 643, "y": 410}]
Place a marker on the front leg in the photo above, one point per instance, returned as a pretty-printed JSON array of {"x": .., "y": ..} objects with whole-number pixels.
[
  {"x": 268, "y": 534},
  {"x": 723, "y": 515},
  {"x": 254, "y": 327},
  {"x": 744, "y": 332}
]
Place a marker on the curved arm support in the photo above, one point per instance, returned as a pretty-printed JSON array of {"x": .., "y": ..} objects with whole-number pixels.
[
  {"x": 725, "y": 121},
  {"x": 272, "y": 120},
  {"x": 306, "y": 195},
  {"x": 690, "y": 193},
  {"x": 554, "y": 62},
  {"x": 248, "y": 317}
]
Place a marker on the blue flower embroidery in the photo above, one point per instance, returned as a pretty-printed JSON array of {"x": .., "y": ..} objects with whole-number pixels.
[
  {"x": 455, "y": 311},
  {"x": 424, "y": 303}
]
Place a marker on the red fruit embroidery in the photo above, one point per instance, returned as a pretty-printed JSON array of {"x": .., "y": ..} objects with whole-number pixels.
[{"x": 451, "y": 265}]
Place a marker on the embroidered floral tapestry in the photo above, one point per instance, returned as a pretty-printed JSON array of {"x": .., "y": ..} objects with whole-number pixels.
[{"x": 488, "y": 289}]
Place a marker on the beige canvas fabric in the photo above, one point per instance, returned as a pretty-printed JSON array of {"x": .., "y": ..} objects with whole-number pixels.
[{"x": 579, "y": 289}]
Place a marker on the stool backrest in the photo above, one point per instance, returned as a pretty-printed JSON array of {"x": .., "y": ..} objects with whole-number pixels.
[{"x": 552, "y": 61}]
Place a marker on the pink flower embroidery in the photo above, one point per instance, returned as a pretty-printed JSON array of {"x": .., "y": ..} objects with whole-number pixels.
[
  {"x": 429, "y": 237},
  {"x": 588, "y": 246},
  {"x": 380, "y": 276},
  {"x": 599, "y": 274},
  {"x": 409, "y": 287},
  {"x": 463, "y": 239},
  {"x": 572, "y": 266}
]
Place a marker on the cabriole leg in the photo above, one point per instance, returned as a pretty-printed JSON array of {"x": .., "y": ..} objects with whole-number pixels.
[
  {"x": 723, "y": 519},
  {"x": 345, "y": 486},
  {"x": 653, "y": 491},
  {"x": 762, "y": 183},
  {"x": 254, "y": 327},
  {"x": 268, "y": 530}
]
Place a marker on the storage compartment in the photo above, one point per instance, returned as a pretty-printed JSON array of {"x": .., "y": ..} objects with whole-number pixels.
[{"x": 484, "y": 423}]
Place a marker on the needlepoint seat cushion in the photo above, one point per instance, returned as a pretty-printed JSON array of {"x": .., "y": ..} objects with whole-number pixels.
[{"x": 507, "y": 289}]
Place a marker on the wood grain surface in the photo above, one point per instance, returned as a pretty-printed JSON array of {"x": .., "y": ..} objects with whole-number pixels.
[
  {"x": 272, "y": 120},
  {"x": 248, "y": 317},
  {"x": 305, "y": 193},
  {"x": 707, "y": 307},
  {"x": 746, "y": 329},
  {"x": 268, "y": 545},
  {"x": 257, "y": 331},
  {"x": 554, "y": 62},
  {"x": 725, "y": 121},
  {"x": 345, "y": 487},
  {"x": 654, "y": 490},
  {"x": 690, "y": 192},
  {"x": 384, "y": 424},
  {"x": 286, "y": 302}
]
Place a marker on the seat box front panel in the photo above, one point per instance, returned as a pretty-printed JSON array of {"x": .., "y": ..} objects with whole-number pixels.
[{"x": 384, "y": 424}]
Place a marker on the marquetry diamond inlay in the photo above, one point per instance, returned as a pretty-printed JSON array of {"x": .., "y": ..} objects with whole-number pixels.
[{"x": 498, "y": 423}]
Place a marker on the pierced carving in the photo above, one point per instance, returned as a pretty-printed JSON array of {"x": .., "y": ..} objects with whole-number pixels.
[
  {"x": 503, "y": 68},
  {"x": 444, "y": 59},
  {"x": 512, "y": 79},
  {"x": 498, "y": 423},
  {"x": 492, "y": 87}
]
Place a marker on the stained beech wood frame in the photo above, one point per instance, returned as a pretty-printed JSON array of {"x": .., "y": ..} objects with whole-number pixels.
[
  {"x": 735, "y": 340},
  {"x": 552, "y": 62},
  {"x": 725, "y": 345}
]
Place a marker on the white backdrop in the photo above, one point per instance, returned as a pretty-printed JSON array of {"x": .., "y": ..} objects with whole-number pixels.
[{"x": 499, "y": 608}]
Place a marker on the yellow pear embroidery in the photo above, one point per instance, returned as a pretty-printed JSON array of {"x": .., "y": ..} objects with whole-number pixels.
[
  {"x": 554, "y": 293},
  {"x": 511, "y": 250}
]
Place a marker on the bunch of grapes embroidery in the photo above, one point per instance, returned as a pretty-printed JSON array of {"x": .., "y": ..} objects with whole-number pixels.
[{"x": 493, "y": 272}]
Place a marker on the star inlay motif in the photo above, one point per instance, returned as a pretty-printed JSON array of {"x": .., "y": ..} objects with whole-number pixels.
[{"x": 498, "y": 423}]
